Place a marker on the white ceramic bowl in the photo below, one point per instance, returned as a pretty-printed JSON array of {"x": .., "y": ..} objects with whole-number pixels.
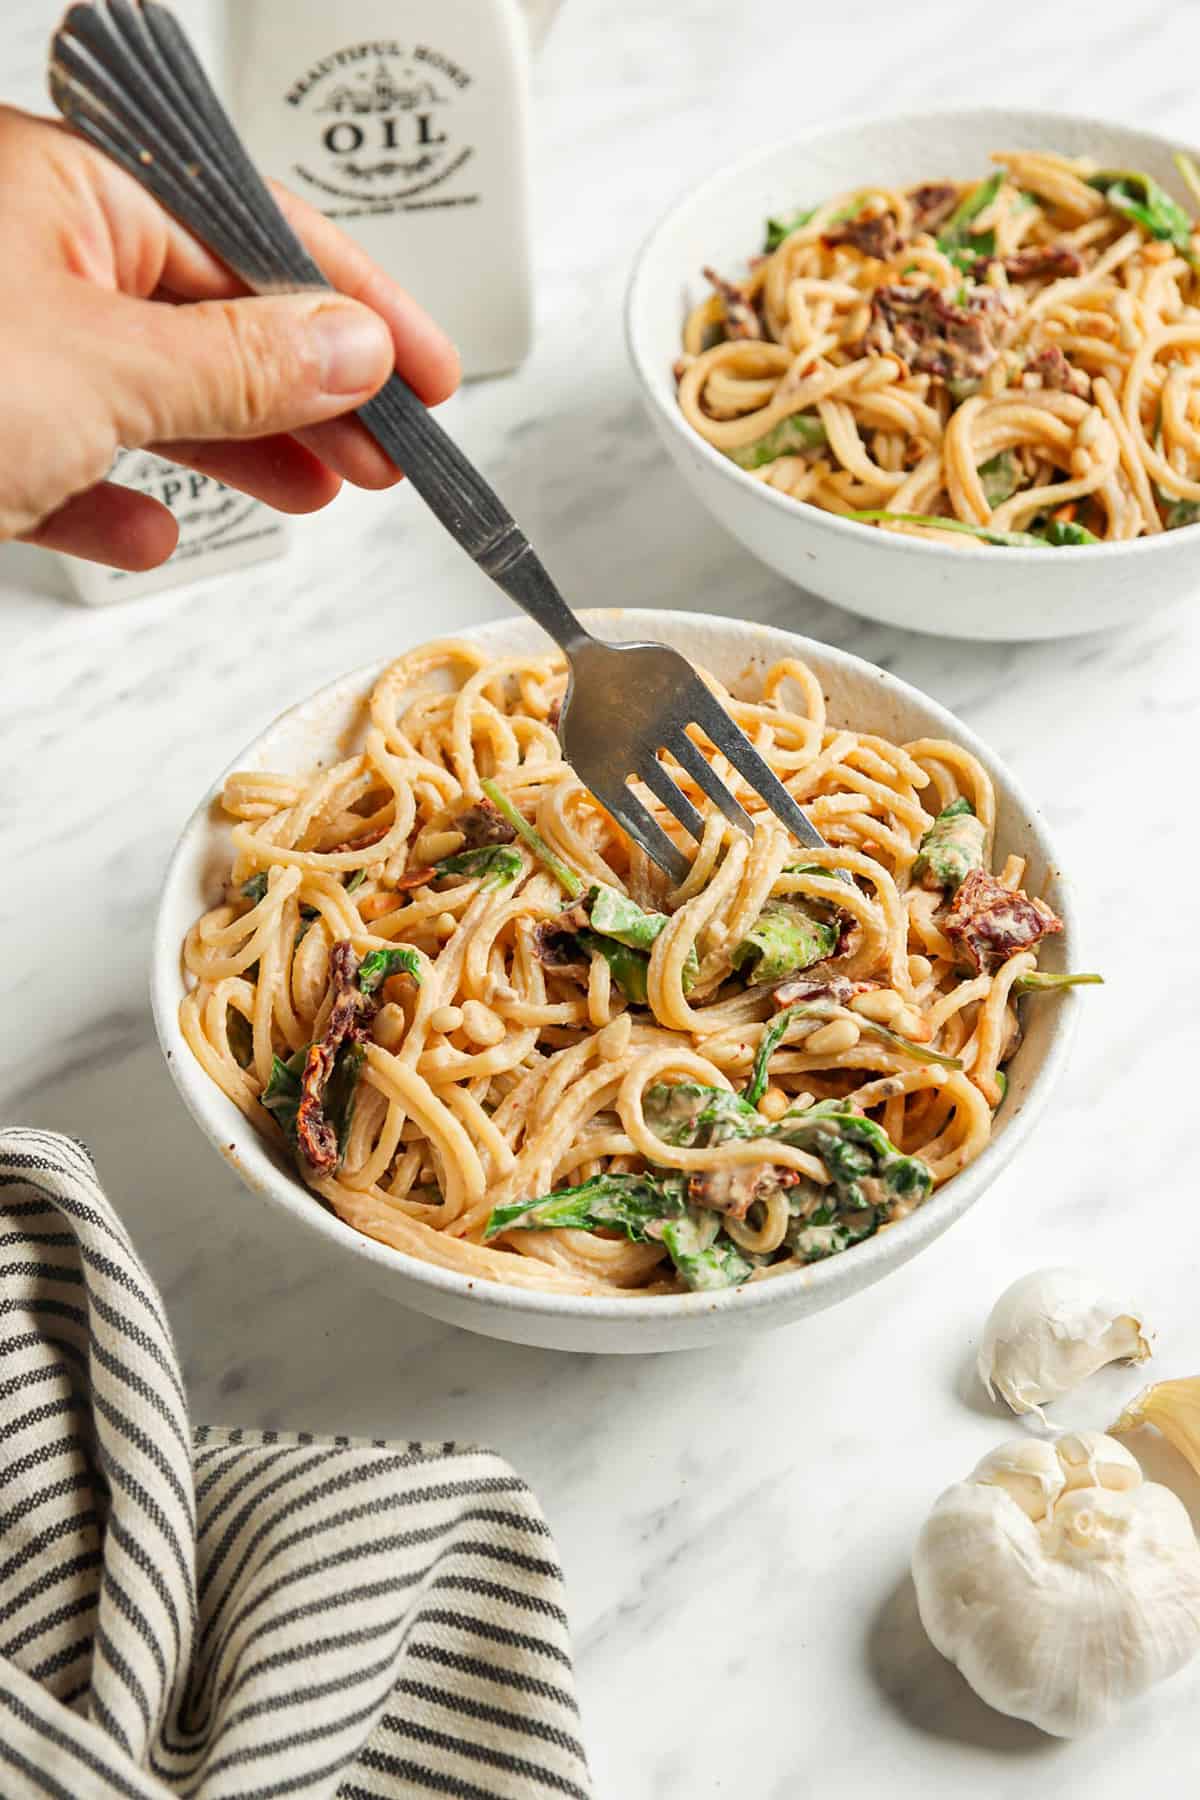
[
  {"x": 858, "y": 694},
  {"x": 900, "y": 580}
]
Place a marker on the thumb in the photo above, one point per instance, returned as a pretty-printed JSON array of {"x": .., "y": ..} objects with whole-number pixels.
[{"x": 244, "y": 368}]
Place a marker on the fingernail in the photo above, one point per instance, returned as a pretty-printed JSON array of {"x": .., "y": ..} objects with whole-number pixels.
[{"x": 351, "y": 347}]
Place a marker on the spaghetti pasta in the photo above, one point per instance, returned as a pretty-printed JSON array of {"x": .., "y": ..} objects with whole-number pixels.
[
  {"x": 1014, "y": 360},
  {"x": 495, "y": 1040}
]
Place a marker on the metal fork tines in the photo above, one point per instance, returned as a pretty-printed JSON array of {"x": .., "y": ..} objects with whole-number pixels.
[
  {"x": 125, "y": 76},
  {"x": 628, "y": 704}
]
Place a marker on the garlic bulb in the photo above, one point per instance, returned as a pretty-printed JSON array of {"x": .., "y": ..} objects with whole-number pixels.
[
  {"x": 1060, "y": 1582},
  {"x": 1173, "y": 1407},
  {"x": 1051, "y": 1330}
]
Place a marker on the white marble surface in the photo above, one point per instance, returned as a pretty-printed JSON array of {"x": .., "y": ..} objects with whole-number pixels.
[{"x": 735, "y": 1526}]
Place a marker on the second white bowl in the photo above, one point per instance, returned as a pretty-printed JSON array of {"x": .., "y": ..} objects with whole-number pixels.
[{"x": 901, "y": 580}]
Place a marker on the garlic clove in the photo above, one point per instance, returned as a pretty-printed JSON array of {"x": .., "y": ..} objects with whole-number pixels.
[
  {"x": 1062, "y": 1618},
  {"x": 1172, "y": 1407},
  {"x": 1049, "y": 1331}
]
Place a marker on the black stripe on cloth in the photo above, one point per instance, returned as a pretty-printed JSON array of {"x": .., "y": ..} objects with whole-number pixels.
[
  {"x": 32, "y": 1547},
  {"x": 415, "y": 1775},
  {"x": 49, "y": 1621},
  {"x": 37, "y": 1415},
  {"x": 146, "y": 1566},
  {"x": 234, "y": 1676},
  {"x": 264, "y": 1750},
  {"x": 492, "y": 1590},
  {"x": 482, "y": 1670},
  {"x": 358, "y": 1475},
  {"x": 62, "y": 1658},
  {"x": 549, "y": 1779},
  {"x": 496, "y": 1634},
  {"x": 69, "y": 1745},
  {"x": 50, "y": 1577},
  {"x": 520, "y": 1723}
]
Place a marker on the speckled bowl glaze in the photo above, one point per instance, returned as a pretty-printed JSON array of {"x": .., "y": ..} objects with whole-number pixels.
[
  {"x": 930, "y": 587},
  {"x": 858, "y": 694}
]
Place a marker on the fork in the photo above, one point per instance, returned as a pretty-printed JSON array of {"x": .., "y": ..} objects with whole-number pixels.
[{"x": 124, "y": 74}]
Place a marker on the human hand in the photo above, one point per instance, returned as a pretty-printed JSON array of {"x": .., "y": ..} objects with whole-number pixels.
[{"x": 99, "y": 353}]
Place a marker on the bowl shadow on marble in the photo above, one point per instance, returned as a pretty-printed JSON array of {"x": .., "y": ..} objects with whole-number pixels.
[{"x": 929, "y": 1693}]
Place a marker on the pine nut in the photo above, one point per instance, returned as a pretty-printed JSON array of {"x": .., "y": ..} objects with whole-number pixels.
[
  {"x": 431, "y": 846},
  {"x": 445, "y": 1019},
  {"x": 390, "y": 1026},
  {"x": 445, "y": 925},
  {"x": 919, "y": 969},
  {"x": 832, "y": 1039},
  {"x": 774, "y": 1103},
  {"x": 882, "y": 1004},
  {"x": 911, "y": 1024},
  {"x": 481, "y": 1024}
]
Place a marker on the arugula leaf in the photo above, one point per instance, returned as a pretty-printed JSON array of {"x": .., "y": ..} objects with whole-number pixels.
[
  {"x": 823, "y": 1233},
  {"x": 282, "y": 1094},
  {"x": 1066, "y": 531},
  {"x": 1002, "y": 1084},
  {"x": 341, "y": 1091},
  {"x": 956, "y": 240},
  {"x": 1140, "y": 198},
  {"x": 768, "y": 1043},
  {"x": 628, "y": 1203},
  {"x": 703, "y": 1267},
  {"x": 1040, "y": 980},
  {"x": 1181, "y": 513},
  {"x": 999, "y": 477},
  {"x": 951, "y": 848},
  {"x": 791, "y": 437},
  {"x": 377, "y": 965},
  {"x": 779, "y": 228},
  {"x": 567, "y": 879},
  {"x": 855, "y": 1151},
  {"x": 356, "y": 880},
  {"x": 629, "y": 967},
  {"x": 256, "y": 888},
  {"x": 619, "y": 917},
  {"x": 785, "y": 937},
  {"x": 775, "y": 1032},
  {"x": 1063, "y": 532},
  {"x": 497, "y": 863}
]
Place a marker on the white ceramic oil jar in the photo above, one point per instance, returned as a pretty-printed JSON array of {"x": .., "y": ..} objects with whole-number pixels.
[{"x": 406, "y": 121}]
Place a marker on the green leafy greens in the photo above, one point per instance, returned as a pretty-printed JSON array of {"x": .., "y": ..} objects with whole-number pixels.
[
  {"x": 498, "y": 864},
  {"x": 1140, "y": 198},
  {"x": 775, "y": 1032},
  {"x": 791, "y": 437},
  {"x": 1058, "y": 531},
  {"x": 951, "y": 848},
  {"x": 779, "y": 228},
  {"x": 999, "y": 477},
  {"x": 1038, "y": 981},
  {"x": 956, "y": 239},
  {"x": 567, "y": 879},
  {"x": 785, "y": 937},
  {"x": 377, "y": 965},
  {"x": 283, "y": 1093}
]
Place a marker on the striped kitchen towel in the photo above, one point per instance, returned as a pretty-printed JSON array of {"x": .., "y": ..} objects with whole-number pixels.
[{"x": 226, "y": 1613}]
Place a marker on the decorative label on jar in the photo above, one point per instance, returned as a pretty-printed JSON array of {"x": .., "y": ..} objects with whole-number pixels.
[
  {"x": 219, "y": 529},
  {"x": 383, "y": 129},
  {"x": 413, "y": 139}
]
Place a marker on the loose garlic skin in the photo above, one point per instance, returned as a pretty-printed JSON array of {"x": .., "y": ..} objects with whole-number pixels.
[
  {"x": 1059, "y": 1582},
  {"x": 1049, "y": 1331}
]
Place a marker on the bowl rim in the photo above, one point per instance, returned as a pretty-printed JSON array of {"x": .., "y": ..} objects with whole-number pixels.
[
  {"x": 251, "y": 1158},
  {"x": 649, "y": 374}
]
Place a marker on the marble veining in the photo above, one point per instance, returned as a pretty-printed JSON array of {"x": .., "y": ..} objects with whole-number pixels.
[{"x": 735, "y": 1523}]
